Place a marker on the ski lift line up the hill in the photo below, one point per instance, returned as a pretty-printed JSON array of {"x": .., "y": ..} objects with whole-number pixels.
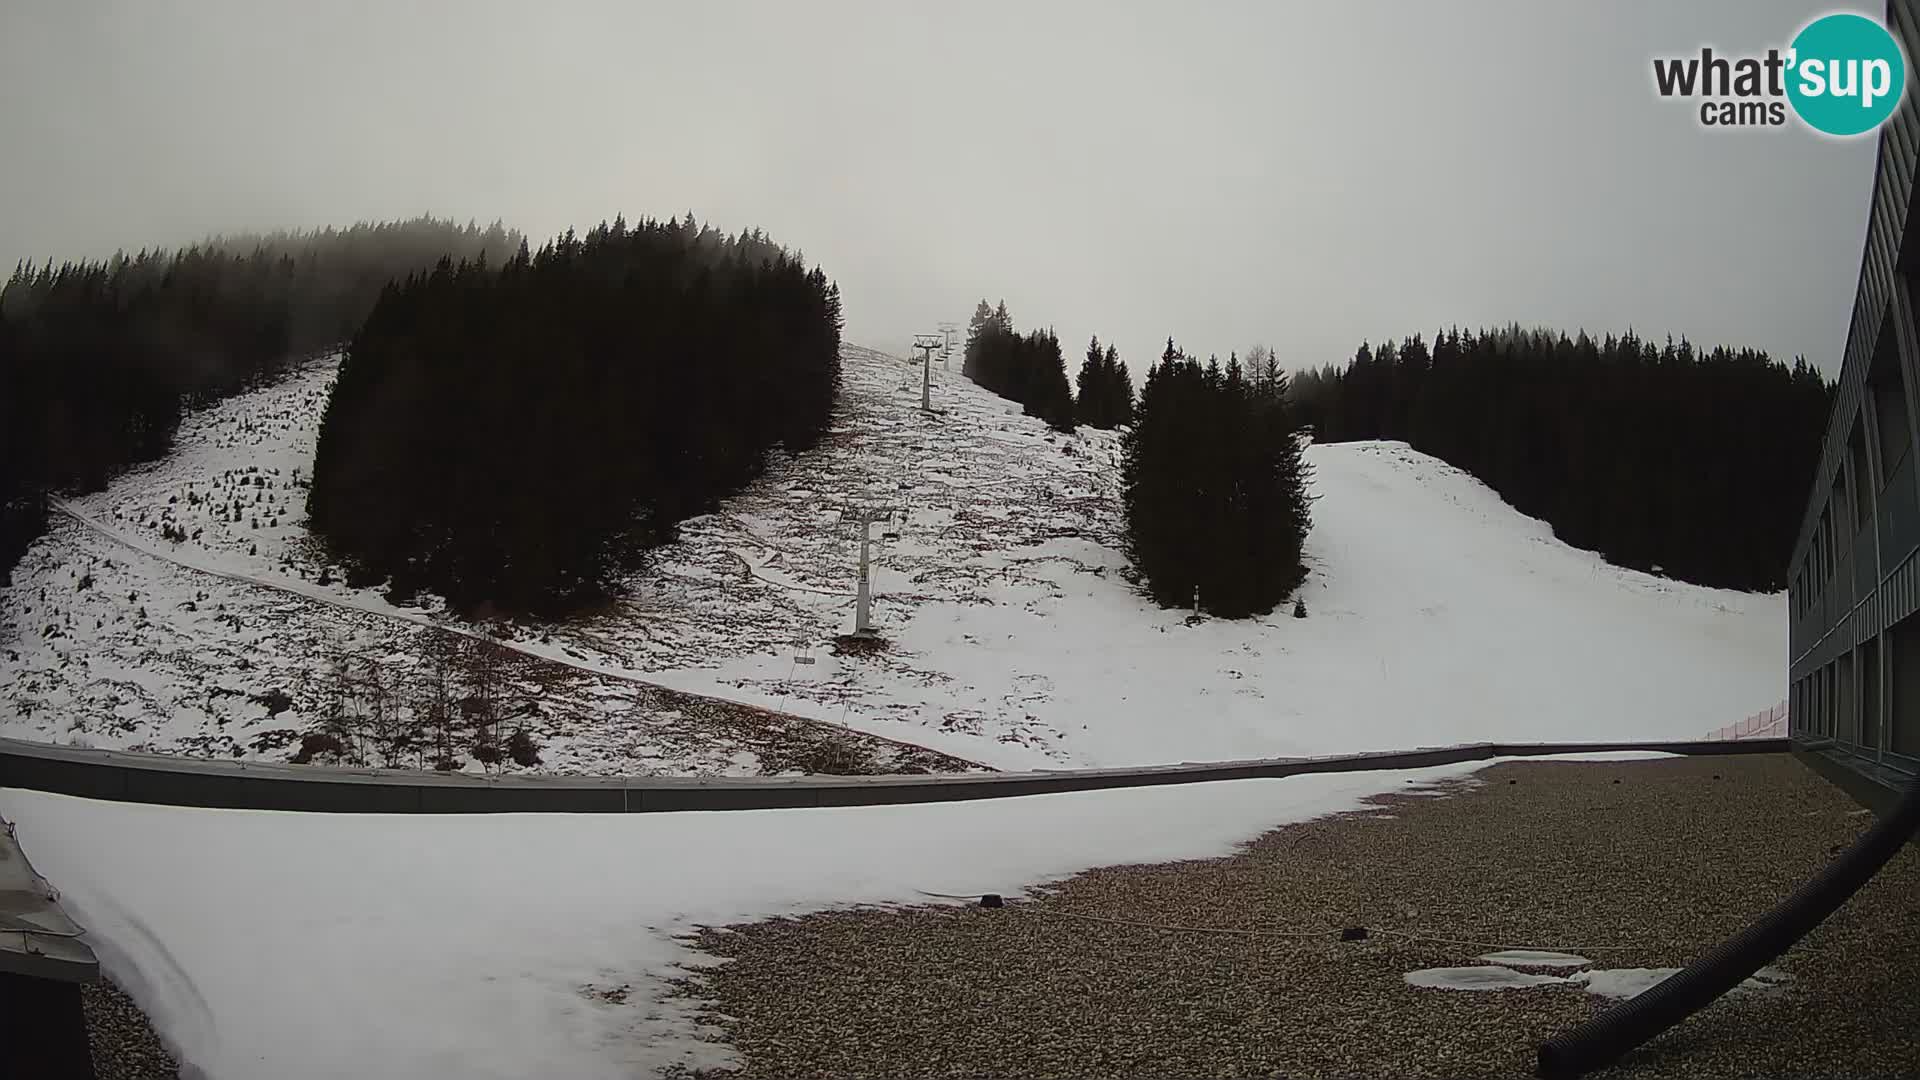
[
  {"x": 947, "y": 330},
  {"x": 865, "y": 514}
]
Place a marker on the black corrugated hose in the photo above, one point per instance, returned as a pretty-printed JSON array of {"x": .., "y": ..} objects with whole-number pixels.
[{"x": 1610, "y": 1035}]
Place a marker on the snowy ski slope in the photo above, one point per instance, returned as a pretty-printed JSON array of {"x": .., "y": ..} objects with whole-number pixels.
[{"x": 1436, "y": 613}]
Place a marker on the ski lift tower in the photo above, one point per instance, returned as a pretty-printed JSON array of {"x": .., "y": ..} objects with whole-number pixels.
[
  {"x": 865, "y": 515},
  {"x": 926, "y": 343},
  {"x": 947, "y": 330}
]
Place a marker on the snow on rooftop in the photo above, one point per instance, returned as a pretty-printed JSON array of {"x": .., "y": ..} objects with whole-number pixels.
[
  {"x": 1616, "y": 983},
  {"x": 312, "y": 945}
]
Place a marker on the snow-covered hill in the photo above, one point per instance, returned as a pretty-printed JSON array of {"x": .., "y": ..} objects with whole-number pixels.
[{"x": 1436, "y": 613}]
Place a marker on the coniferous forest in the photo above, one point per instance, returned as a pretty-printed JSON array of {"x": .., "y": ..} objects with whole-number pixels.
[
  {"x": 97, "y": 359},
  {"x": 1104, "y": 389},
  {"x": 22, "y": 509},
  {"x": 1665, "y": 458},
  {"x": 1215, "y": 486},
  {"x": 1025, "y": 368},
  {"x": 514, "y": 436}
]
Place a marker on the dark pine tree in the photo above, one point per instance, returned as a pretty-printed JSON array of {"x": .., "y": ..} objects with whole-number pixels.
[
  {"x": 1105, "y": 398},
  {"x": 1120, "y": 386},
  {"x": 1028, "y": 369},
  {"x": 514, "y": 437},
  {"x": 1215, "y": 488},
  {"x": 1092, "y": 399}
]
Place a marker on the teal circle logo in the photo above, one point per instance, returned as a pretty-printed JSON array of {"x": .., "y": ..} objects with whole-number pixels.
[{"x": 1845, "y": 74}]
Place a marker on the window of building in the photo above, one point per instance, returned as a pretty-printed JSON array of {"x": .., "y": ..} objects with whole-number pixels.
[
  {"x": 1835, "y": 550},
  {"x": 1842, "y": 509},
  {"x": 1834, "y": 686},
  {"x": 1889, "y": 394},
  {"x": 1826, "y": 547},
  {"x": 1826, "y": 544},
  {"x": 1869, "y": 693},
  {"x": 1846, "y": 711},
  {"x": 1903, "y": 670},
  {"x": 1830, "y": 708},
  {"x": 1863, "y": 485}
]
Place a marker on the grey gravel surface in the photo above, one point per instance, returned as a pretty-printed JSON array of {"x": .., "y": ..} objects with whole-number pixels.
[
  {"x": 122, "y": 1040},
  {"x": 1633, "y": 864}
]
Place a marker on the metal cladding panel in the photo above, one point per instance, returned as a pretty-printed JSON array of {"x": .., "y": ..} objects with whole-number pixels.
[
  {"x": 1861, "y": 600},
  {"x": 1886, "y": 238},
  {"x": 522, "y": 799},
  {"x": 63, "y": 776},
  {"x": 190, "y": 782}
]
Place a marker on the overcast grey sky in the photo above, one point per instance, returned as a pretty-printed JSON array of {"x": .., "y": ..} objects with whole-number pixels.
[{"x": 1305, "y": 174}]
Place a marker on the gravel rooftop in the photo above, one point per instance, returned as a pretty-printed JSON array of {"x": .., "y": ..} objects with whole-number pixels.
[
  {"x": 122, "y": 1040},
  {"x": 1631, "y": 864}
]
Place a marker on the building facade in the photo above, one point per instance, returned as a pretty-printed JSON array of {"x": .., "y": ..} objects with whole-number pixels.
[{"x": 1854, "y": 590}]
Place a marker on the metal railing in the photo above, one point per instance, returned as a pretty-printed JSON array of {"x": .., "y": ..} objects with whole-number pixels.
[
  {"x": 1765, "y": 724},
  {"x": 130, "y": 776}
]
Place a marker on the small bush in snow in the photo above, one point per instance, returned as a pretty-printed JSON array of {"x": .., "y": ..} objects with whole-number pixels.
[
  {"x": 315, "y": 744},
  {"x": 521, "y": 748},
  {"x": 276, "y": 700}
]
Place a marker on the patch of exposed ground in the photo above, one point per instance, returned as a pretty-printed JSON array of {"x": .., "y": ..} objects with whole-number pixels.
[
  {"x": 117, "y": 648},
  {"x": 1632, "y": 864}
]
